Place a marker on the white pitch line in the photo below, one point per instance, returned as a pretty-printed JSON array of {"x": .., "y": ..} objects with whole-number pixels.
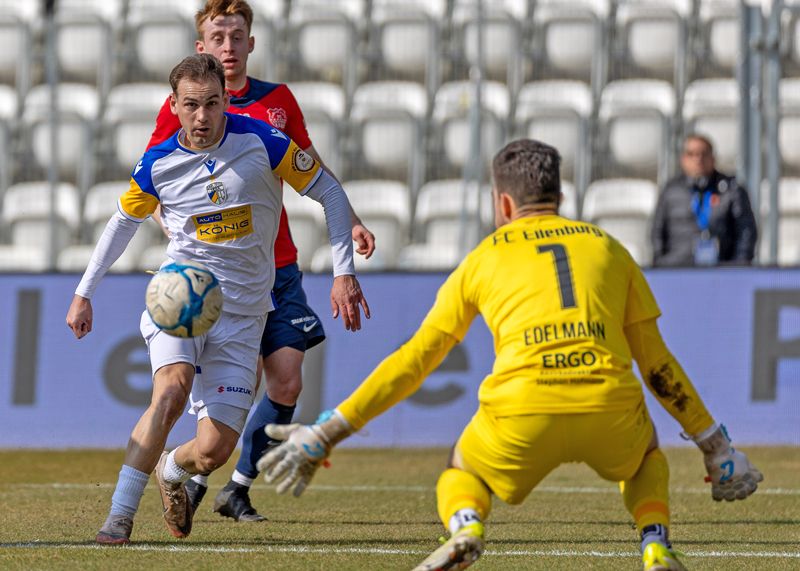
[
  {"x": 391, "y": 551},
  {"x": 368, "y": 488}
]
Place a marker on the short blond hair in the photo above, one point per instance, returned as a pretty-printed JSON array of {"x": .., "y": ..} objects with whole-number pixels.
[{"x": 214, "y": 8}]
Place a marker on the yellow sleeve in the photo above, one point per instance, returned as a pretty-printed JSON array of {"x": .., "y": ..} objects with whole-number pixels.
[
  {"x": 665, "y": 377},
  {"x": 298, "y": 168},
  {"x": 398, "y": 376},
  {"x": 136, "y": 203},
  {"x": 454, "y": 309}
]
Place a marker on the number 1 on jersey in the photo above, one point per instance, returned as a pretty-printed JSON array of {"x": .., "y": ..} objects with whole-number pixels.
[{"x": 563, "y": 273}]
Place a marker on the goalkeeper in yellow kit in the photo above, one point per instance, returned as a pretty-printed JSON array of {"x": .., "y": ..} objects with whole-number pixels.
[{"x": 569, "y": 310}]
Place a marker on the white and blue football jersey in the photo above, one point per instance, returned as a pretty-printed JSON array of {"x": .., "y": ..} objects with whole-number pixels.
[{"x": 222, "y": 205}]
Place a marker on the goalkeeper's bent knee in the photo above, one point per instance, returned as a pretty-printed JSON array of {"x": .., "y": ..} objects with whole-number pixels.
[
  {"x": 646, "y": 494},
  {"x": 457, "y": 490}
]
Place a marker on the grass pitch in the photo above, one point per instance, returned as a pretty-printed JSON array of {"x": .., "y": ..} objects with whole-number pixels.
[{"x": 376, "y": 509}]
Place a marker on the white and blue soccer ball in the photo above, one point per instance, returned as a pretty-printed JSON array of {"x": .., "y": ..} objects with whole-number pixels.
[{"x": 184, "y": 299}]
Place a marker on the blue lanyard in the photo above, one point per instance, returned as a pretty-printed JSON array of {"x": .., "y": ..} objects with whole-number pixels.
[{"x": 702, "y": 210}]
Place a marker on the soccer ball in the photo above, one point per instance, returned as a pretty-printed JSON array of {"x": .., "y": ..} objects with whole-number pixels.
[{"x": 184, "y": 299}]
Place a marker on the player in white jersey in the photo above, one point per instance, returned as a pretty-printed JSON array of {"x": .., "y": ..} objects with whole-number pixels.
[{"x": 218, "y": 184}]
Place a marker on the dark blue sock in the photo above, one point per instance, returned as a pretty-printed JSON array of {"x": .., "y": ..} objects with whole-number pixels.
[{"x": 254, "y": 439}]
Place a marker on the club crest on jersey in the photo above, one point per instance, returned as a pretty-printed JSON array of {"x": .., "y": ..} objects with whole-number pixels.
[
  {"x": 302, "y": 161},
  {"x": 277, "y": 117},
  {"x": 216, "y": 192}
]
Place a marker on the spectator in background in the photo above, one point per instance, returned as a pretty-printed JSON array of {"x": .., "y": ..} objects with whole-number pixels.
[{"x": 703, "y": 217}]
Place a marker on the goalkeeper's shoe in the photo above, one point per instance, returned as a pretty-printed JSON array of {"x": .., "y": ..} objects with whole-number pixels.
[
  {"x": 178, "y": 511},
  {"x": 115, "y": 531},
  {"x": 195, "y": 493},
  {"x": 659, "y": 557},
  {"x": 233, "y": 501},
  {"x": 459, "y": 552}
]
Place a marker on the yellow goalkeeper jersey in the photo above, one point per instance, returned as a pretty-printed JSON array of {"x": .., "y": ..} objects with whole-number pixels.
[{"x": 556, "y": 295}]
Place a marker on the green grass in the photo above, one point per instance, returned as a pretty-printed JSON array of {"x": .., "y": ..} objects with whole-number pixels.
[{"x": 52, "y": 504}]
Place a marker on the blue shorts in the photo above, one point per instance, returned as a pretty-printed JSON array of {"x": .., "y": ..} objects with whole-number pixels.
[{"x": 293, "y": 323}]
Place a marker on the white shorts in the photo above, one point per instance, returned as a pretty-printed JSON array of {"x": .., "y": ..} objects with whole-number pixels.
[{"x": 224, "y": 358}]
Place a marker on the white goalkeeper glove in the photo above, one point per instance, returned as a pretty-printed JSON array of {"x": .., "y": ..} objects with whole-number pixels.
[
  {"x": 731, "y": 474},
  {"x": 293, "y": 463}
]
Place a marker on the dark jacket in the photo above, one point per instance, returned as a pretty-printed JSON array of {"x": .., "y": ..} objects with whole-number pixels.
[{"x": 675, "y": 228}]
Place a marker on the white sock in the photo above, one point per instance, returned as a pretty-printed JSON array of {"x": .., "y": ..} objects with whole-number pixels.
[
  {"x": 655, "y": 533},
  {"x": 241, "y": 479},
  {"x": 462, "y": 518},
  {"x": 173, "y": 473},
  {"x": 129, "y": 491},
  {"x": 201, "y": 479}
]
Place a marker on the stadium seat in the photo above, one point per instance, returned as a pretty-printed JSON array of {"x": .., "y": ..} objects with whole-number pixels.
[
  {"x": 440, "y": 212},
  {"x": 428, "y": 257},
  {"x": 719, "y": 34},
  {"x": 502, "y": 38},
  {"x": 27, "y": 212},
  {"x": 384, "y": 207},
  {"x": 388, "y": 119},
  {"x": 151, "y": 257},
  {"x": 624, "y": 208},
  {"x": 569, "y": 40},
  {"x": 16, "y": 57},
  {"x": 21, "y": 258},
  {"x": 569, "y": 201},
  {"x": 651, "y": 39},
  {"x": 452, "y": 123},
  {"x": 405, "y": 41},
  {"x": 788, "y": 221},
  {"x": 322, "y": 261},
  {"x": 87, "y": 39},
  {"x": 558, "y": 112},
  {"x": 79, "y": 106},
  {"x": 322, "y": 41},
  {"x": 635, "y": 124},
  {"x": 307, "y": 225},
  {"x": 101, "y": 203},
  {"x": 128, "y": 123},
  {"x": 711, "y": 107},
  {"x": 789, "y": 129},
  {"x": 8, "y": 121},
  {"x": 323, "y": 106},
  {"x": 160, "y": 34}
]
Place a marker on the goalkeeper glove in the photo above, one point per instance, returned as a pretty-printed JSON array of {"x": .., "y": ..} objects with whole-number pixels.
[
  {"x": 731, "y": 474},
  {"x": 293, "y": 463}
]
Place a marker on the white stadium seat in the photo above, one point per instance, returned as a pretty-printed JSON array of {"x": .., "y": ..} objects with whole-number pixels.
[
  {"x": 323, "y": 107},
  {"x": 307, "y": 225},
  {"x": 569, "y": 39},
  {"x": 651, "y": 37},
  {"x": 79, "y": 106},
  {"x": 128, "y": 122},
  {"x": 27, "y": 211},
  {"x": 789, "y": 129},
  {"x": 443, "y": 206},
  {"x": 21, "y": 258},
  {"x": 322, "y": 261},
  {"x": 384, "y": 207},
  {"x": 788, "y": 221},
  {"x": 388, "y": 120},
  {"x": 451, "y": 119},
  {"x": 160, "y": 34},
  {"x": 557, "y": 112},
  {"x": 624, "y": 208},
  {"x": 719, "y": 30},
  {"x": 711, "y": 107},
  {"x": 636, "y": 128},
  {"x": 428, "y": 257}
]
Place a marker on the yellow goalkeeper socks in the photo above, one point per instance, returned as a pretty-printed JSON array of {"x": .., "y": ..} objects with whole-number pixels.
[
  {"x": 458, "y": 490},
  {"x": 646, "y": 495}
]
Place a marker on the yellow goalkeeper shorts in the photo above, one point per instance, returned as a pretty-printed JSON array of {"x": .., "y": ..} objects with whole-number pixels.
[{"x": 513, "y": 454}]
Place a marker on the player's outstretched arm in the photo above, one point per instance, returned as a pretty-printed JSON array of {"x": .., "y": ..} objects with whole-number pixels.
[
  {"x": 79, "y": 316},
  {"x": 347, "y": 300},
  {"x": 292, "y": 464},
  {"x": 730, "y": 472}
]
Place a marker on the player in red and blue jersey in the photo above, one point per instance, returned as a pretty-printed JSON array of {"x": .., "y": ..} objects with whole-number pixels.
[{"x": 223, "y": 30}]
